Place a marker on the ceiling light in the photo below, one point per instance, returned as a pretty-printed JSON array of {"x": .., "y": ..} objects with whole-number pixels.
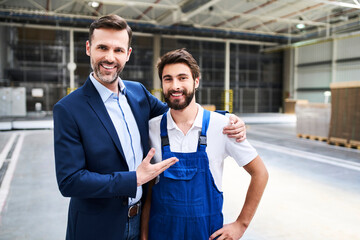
[
  {"x": 94, "y": 4},
  {"x": 300, "y": 26}
]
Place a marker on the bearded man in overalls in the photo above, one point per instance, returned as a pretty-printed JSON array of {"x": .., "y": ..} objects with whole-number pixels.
[{"x": 185, "y": 201}]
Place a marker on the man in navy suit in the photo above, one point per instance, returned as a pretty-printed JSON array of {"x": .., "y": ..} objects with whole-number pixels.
[{"x": 101, "y": 140}]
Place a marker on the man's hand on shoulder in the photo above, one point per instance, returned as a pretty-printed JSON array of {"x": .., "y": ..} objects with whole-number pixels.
[{"x": 236, "y": 128}]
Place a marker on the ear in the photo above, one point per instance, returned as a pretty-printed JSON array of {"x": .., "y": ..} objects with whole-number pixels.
[
  {"x": 129, "y": 53},
  {"x": 197, "y": 82},
  {"x": 88, "y": 48}
]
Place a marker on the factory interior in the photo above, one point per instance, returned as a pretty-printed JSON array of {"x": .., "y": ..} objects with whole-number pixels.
[{"x": 289, "y": 69}]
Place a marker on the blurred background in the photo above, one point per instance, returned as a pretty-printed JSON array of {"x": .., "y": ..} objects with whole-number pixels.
[{"x": 290, "y": 69}]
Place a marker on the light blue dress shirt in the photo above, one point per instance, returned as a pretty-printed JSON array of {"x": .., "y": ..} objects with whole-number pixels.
[{"x": 125, "y": 124}]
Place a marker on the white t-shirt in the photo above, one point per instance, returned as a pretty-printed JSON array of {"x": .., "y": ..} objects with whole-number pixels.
[{"x": 219, "y": 145}]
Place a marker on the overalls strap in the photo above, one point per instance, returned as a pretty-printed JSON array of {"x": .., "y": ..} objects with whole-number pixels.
[
  {"x": 165, "y": 145},
  {"x": 202, "y": 136},
  {"x": 202, "y": 143}
]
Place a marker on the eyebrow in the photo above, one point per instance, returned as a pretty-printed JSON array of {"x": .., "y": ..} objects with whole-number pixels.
[
  {"x": 104, "y": 45},
  {"x": 179, "y": 75}
]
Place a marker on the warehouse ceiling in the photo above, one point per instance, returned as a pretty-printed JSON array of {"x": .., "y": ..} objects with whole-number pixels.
[{"x": 281, "y": 21}]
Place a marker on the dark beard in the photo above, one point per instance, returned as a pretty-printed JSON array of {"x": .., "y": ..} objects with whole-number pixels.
[{"x": 176, "y": 105}]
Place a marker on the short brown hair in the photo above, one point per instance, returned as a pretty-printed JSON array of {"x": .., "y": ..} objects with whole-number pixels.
[
  {"x": 110, "y": 22},
  {"x": 179, "y": 56}
]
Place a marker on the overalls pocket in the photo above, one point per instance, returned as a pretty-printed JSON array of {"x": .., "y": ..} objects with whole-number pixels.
[
  {"x": 180, "y": 173},
  {"x": 179, "y": 186}
]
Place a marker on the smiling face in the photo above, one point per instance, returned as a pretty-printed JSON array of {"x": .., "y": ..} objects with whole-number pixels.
[
  {"x": 109, "y": 52},
  {"x": 178, "y": 85}
]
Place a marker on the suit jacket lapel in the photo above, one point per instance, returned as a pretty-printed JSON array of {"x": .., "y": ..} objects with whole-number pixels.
[{"x": 98, "y": 106}]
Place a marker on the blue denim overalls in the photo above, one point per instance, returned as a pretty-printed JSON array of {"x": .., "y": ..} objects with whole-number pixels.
[{"x": 186, "y": 203}]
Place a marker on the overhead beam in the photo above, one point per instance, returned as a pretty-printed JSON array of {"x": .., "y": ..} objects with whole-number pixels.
[
  {"x": 246, "y": 12},
  {"x": 139, "y": 4},
  {"x": 222, "y": 40},
  {"x": 48, "y": 5},
  {"x": 68, "y": 15},
  {"x": 244, "y": 31},
  {"x": 284, "y": 8},
  {"x": 64, "y": 6},
  {"x": 189, "y": 15},
  {"x": 208, "y": 39},
  {"x": 326, "y": 18},
  {"x": 169, "y": 13},
  {"x": 275, "y": 19},
  {"x": 337, "y": 3},
  {"x": 37, "y": 5},
  {"x": 298, "y": 12},
  {"x": 97, "y": 10},
  {"x": 148, "y": 9},
  {"x": 92, "y": 10}
]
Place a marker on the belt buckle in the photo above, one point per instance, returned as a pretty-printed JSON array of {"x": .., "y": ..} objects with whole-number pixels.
[{"x": 136, "y": 206}]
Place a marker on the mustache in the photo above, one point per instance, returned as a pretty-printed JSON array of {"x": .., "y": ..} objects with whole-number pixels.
[
  {"x": 109, "y": 63},
  {"x": 176, "y": 91}
]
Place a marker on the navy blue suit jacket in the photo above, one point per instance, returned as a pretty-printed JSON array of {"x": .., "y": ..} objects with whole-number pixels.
[{"x": 90, "y": 162}]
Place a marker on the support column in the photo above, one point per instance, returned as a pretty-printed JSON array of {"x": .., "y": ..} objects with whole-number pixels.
[
  {"x": 156, "y": 55},
  {"x": 328, "y": 24},
  {"x": 294, "y": 85},
  {"x": 3, "y": 51},
  {"x": 333, "y": 61},
  {"x": 288, "y": 72},
  {"x": 227, "y": 76},
  {"x": 71, "y": 65}
]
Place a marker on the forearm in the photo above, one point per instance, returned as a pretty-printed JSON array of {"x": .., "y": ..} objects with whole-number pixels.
[
  {"x": 86, "y": 184},
  {"x": 255, "y": 191}
]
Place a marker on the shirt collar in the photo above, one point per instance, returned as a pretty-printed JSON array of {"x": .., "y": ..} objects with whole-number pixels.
[
  {"x": 104, "y": 92},
  {"x": 197, "y": 123}
]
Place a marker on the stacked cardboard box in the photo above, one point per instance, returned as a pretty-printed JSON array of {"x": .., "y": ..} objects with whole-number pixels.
[
  {"x": 289, "y": 105},
  {"x": 345, "y": 113},
  {"x": 313, "y": 120}
]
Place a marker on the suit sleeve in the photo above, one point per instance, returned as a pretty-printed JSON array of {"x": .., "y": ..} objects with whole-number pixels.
[{"x": 74, "y": 180}]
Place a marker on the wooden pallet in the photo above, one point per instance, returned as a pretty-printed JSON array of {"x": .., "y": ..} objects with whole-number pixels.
[
  {"x": 338, "y": 141},
  {"x": 300, "y": 135},
  {"x": 313, "y": 137},
  {"x": 354, "y": 144},
  {"x": 318, "y": 138},
  {"x": 344, "y": 143}
]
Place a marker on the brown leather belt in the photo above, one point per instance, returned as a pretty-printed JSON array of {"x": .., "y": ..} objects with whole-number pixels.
[{"x": 134, "y": 210}]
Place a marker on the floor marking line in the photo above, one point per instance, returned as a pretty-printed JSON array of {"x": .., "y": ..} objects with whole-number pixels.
[
  {"x": 7, "y": 148},
  {"x": 307, "y": 155},
  {"x": 5, "y": 186}
]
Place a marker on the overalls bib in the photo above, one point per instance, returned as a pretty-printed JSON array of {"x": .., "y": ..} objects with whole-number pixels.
[{"x": 186, "y": 203}]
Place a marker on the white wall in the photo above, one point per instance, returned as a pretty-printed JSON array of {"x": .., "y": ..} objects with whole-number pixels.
[
  {"x": 319, "y": 64},
  {"x": 315, "y": 53},
  {"x": 348, "y": 47}
]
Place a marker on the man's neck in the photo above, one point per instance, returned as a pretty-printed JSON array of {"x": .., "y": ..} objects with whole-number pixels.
[{"x": 185, "y": 118}]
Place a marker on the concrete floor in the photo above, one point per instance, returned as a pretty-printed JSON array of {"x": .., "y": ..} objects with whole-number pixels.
[{"x": 313, "y": 191}]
